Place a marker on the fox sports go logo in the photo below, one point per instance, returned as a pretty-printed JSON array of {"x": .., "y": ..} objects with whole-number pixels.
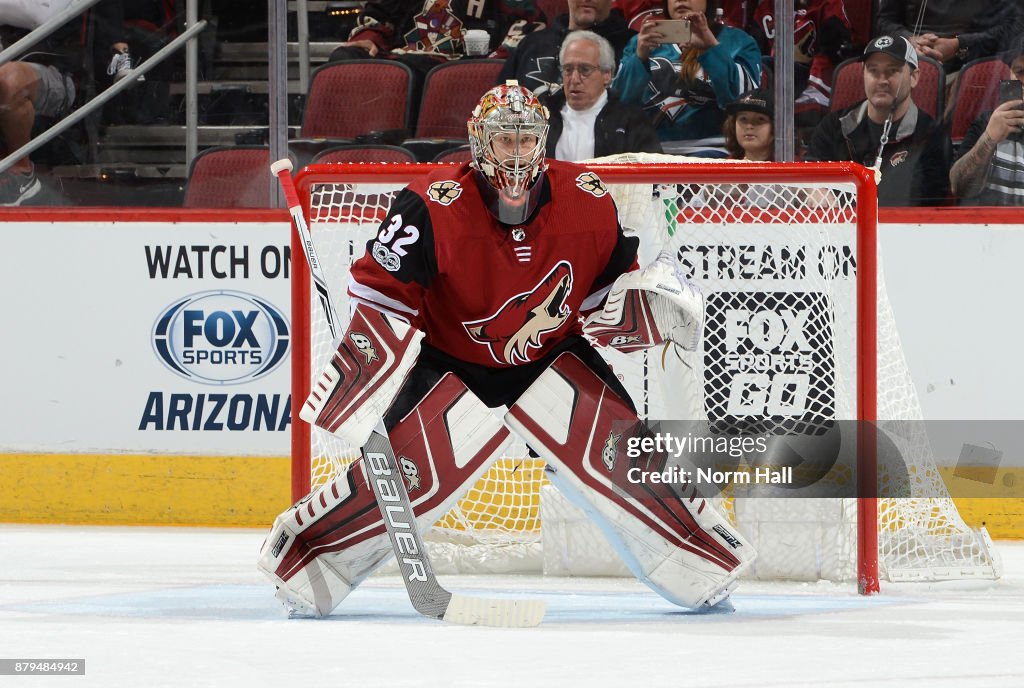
[{"x": 221, "y": 337}]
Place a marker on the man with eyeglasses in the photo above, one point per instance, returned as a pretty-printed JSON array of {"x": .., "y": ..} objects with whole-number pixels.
[
  {"x": 587, "y": 120},
  {"x": 534, "y": 63}
]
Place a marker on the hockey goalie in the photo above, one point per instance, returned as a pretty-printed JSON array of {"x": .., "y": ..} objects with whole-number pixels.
[{"x": 469, "y": 325}]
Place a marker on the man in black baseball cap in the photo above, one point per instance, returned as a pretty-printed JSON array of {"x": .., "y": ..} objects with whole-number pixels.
[
  {"x": 896, "y": 47},
  {"x": 890, "y": 74},
  {"x": 888, "y": 132}
]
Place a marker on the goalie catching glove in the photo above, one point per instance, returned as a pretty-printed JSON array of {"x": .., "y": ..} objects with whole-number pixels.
[{"x": 646, "y": 307}]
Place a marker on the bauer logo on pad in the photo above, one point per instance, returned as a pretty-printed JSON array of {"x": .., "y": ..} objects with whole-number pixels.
[{"x": 221, "y": 337}]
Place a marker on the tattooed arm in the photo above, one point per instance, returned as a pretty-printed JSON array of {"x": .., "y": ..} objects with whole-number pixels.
[
  {"x": 967, "y": 177},
  {"x": 968, "y": 174}
]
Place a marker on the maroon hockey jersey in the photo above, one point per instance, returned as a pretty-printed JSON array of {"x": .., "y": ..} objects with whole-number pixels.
[{"x": 484, "y": 292}]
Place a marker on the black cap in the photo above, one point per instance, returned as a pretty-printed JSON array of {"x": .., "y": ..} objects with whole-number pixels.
[
  {"x": 757, "y": 100},
  {"x": 896, "y": 47}
]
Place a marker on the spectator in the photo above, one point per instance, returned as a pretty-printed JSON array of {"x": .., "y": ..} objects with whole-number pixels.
[
  {"x": 586, "y": 120},
  {"x": 821, "y": 33},
  {"x": 683, "y": 88},
  {"x": 888, "y": 132},
  {"x": 636, "y": 10},
  {"x": 534, "y": 64},
  {"x": 129, "y": 32},
  {"x": 749, "y": 128},
  {"x": 953, "y": 32},
  {"x": 38, "y": 86},
  {"x": 750, "y": 135},
  {"x": 424, "y": 34},
  {"x": 990, "y": 170}
]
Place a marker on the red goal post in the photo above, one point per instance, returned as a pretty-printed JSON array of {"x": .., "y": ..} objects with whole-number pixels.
[{"x": 864, "y": 215}]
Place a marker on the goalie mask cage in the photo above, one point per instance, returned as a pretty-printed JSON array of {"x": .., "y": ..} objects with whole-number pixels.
[{"x": 778, "y": 243}]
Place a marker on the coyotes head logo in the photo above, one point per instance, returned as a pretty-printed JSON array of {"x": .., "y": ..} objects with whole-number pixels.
[
  {"x": 522, "y": 320},
  {"x": 411, "y": 471},
  {"x": 364, "y": 346}
]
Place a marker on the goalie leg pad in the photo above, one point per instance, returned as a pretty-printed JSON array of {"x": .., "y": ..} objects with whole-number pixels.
[
  {"x": 363, "y": 376},
  {"x": 670, "y": 537},
  {"x": 331, "y": 540}
]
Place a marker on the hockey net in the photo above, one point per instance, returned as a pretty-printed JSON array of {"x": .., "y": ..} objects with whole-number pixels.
[{"x": 782, "y": 252}]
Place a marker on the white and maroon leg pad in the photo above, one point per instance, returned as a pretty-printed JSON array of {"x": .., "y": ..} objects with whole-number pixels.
[
  {"x": 363, "y": 376},
  {"x": 670, "y": 537},
  {"x": 328, "y": 543}
]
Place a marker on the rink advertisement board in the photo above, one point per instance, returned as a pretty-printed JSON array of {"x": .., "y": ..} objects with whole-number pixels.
[
  {"x": 148, "y": 355},
  {"x": 149, "y": 337},
  {"x": 153, "y": 335}
]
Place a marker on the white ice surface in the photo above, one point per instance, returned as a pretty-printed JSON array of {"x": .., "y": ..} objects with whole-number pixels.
[{"x": 186, "y": 607}]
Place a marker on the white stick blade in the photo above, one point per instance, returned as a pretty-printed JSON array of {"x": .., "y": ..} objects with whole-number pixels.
[{"x": 480, "y": 611}]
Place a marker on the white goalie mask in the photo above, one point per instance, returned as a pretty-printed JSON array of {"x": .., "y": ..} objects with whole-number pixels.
[{"x": 507, "y": 136}]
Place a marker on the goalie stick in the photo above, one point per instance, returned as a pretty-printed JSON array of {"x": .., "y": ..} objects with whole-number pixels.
[{"x": 388, "y": 485}]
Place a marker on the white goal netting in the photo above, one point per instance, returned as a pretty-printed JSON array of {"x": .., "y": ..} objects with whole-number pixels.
[{"x": 777, "y": 256}]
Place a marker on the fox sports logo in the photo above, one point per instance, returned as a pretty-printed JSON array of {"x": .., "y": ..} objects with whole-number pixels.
[{"x": 221, "y": 337}]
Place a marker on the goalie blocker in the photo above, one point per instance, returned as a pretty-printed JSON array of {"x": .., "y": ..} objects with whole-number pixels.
[
  {"x": 669, "y": 536},
  {"x": 363, "y": 376}
]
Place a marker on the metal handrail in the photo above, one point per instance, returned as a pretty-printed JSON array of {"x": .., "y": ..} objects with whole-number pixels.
[
  {"x": 94, "y": 104},
  {"x": 45, "y": 29}
]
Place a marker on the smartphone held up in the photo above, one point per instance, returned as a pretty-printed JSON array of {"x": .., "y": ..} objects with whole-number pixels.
[
  {"x": 673, "y": 30},
  {"x": 1010, "y": 89}
]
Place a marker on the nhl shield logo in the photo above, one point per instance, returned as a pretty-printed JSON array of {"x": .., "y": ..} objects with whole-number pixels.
[
  {"x": 444, "y": 192},
  {"x": 592, "y": 184}
]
